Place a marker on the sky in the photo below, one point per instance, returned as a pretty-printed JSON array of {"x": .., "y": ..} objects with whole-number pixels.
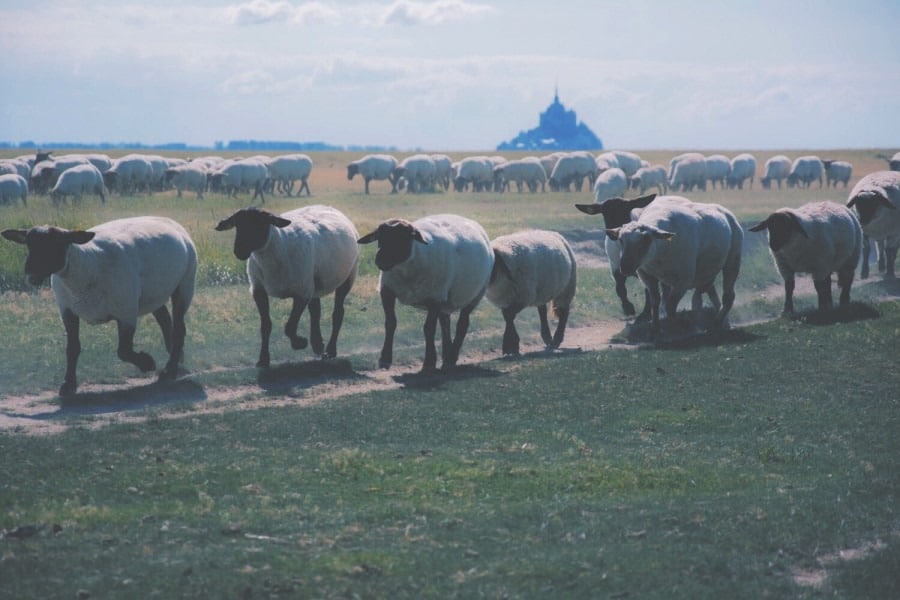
[{"x": 453, "y": 75}]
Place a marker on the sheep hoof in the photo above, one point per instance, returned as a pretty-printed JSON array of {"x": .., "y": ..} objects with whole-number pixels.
[
  {"x": 67, "y": 389},
  {"x": 384, "y": 364},
  {"x": 262, "y": 363},
  {"x": 629, "y": 309},
  {"x": 299, "y": 342},
  {"x": 144, "y": 362}
]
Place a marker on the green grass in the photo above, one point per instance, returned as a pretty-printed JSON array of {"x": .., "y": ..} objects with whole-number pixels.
[{"x": 696, "y": 472}]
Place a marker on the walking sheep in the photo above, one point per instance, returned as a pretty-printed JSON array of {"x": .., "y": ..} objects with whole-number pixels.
[
  {"x": 532, "y": 268},
  {"x": 818, "y": 238},
  {"x": 440, "y": 264},
  {"x": 304, "y": 254},
  {"x": 777, "y": 169},
  {"x": 837, "y": 171},
  {"x": 82, "y": 179},
  {"x": 648, "y": 177},
  {"x": 876, "y": 198},
  {"x": 376, "y": 167},
  {"x": 682, "y": 245},
  {"x": 611, "y": 183},
  {"x": 743, "y": 167},
  {"x": 287, "y": 169},
  {"x": 117, "y": 271},
  {"x": 805, "y": 170},
  {"x": 13, "y": 188}
]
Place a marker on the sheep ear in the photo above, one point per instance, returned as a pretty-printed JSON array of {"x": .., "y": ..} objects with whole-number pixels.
[
  {"x": 368, "y": 238},
  {"x": 795, "y": 221},
  {"x": 226, "y": 224},
  {"x": 277, "y": 221},
  {"x": 590, "y": 209},
  {"x": 80, "y": 237},
  {"x": 613, "y": 234},
  {"x": 643, "y": 201},
  {"x": 15, "y": 235},
  {"x": 764, "y": 224},
  {"x": 417, "y": 236},
  {"x": 663, "y": 235}
]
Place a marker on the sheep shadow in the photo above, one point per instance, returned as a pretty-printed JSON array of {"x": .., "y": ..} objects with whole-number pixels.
[
  {"x": 283, "y": 378},
  {"x": 684, "y": 332},
  {"x": 856, "y": 311},
  {"x": 431, "y": 380}
]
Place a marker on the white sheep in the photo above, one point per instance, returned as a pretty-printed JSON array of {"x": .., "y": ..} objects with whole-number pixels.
[
  {"x": 805, "y": 170},
  {"x": 687, "y": 171},
  {"x": 191, "y": 176},
  {"x": 475, "y": 170},
  {"x": 78, "y": 180},
  {"x": 241, "y": 175},
  {"x": 304, "y": 254},
  {"x": 682, "y": 245},
  {"x": 13, "y": 187},
  {"x": 718, "y": 168},
  {"x": 818, "y": 238},
  {"x": 287, "y": 169},
  {"x": 611, "y": 183},
  {"x": 893, "y": 161},
  {"x": 649, "y": 177},
  {"x": 532, "y": 268},
  {"x": 876, "y": 198},
  {"x": 837, "y": 171},
  {"x": 46, "y": 171},
  {"x": 743, "y": 168},
  {"x": 573, "y": 168},
  {"x": 524, "y": 171},
  {"x": 418, "y": 171},
  {"x": 377, "y": 167},
  {"x": 627, "y": 161},
  {"x": 777, "y": 168},
  {"x": 129, "y": 174},
  {"x": 443, "y": 170},
  {"x": 16, "y": 166},
  {"x": 606, "y": 160},
  {"x": 119, "y": 271},
  {"x": 549, "y": 161},
  {"x": 440, "y": 264}
]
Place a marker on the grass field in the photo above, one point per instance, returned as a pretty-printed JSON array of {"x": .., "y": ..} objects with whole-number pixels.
[{"x": 759, "y": 463}]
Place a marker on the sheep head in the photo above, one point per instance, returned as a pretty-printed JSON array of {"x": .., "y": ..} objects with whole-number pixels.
[
  {"x": 634, "y": 243},
  {"x": 867, "y": 202},
  {"x": 781, "y": 225},
  {"x": 395, "y": 242},
  {"x": 252, "y": 227},
  {"x": 616, "y": 211},
  {"x": 47, "y": 248}
]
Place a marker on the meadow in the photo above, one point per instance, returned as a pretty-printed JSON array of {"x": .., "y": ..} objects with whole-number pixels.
[{"x": 759, "y": 462}]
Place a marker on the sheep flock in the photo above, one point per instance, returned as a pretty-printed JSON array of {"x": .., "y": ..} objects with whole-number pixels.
[{"x": 671, "y": 235}]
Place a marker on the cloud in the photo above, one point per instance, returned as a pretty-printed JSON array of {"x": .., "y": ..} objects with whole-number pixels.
[
  {"x": 257, "y": 12},
  {"x": 411, "y": 12}
]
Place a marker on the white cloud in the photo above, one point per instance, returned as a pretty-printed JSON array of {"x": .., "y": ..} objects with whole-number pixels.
[
  {"x": 257, "y": 12},
  {"x": 411, "y": 12}
]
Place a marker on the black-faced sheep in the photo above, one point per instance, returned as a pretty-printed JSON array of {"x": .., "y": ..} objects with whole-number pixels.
[
  {"x": 377, "y": 167},
  {"x": 117, "y": 271},
  {"x": 304, "y": 254},
  {"x": 440, "y": 264},
  {"x": 876, "y": 198}
]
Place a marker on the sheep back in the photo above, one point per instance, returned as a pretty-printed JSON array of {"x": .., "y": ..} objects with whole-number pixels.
[{"x": 532, "y": 268}]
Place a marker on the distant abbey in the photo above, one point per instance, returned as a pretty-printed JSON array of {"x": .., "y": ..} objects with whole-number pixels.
[{"x": 559, "y": 129}]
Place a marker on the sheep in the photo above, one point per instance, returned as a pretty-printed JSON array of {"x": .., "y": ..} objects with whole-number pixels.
[
  {"x": 376, "y": 167},
  {"x": 81, "y": 179},
  {"x": 45, "y": 173},
  {"x": 286, "y": 169},
  {"x": 571, "y": 168},
  {"x": 16, "y": 166},
  {"x": 532, "y": 268},
  {"x": 611, "y": 183},
  {"x": 876, "y": 198},
  {"x": 687, "y": 171},
  {"x": 648, "y": 177},
  {"x": 682, "y": 245},
  {"x": 777, "y": 168},
  {"x": 475, "y": 170},
  {"x": 440, "y": 264},
  {"x": 718, "y": 168},
  {"x": 419, "y": 172},
  {"x": 526, "y": 171},
  {"x": 304, "y": 254},
  {"x": 627, "y": 161},
  {"x": 191, "y": 176},
  {"x": 443, "y": 170},
  {"x": 892, "y": 161},
  {"x": 606, "y": 160},
  {"x": 743, "y": 167},
  {"x": 119, "y": 270},
  {"x": 245, "y": 174},
  {"x": 549, "y": 162},
  {"x": 837, "y": 171},
  {"x": 818, "y": 238},
  {"x": 129, "y": 174},
  {"x": 13, "y": 187},
  {"x": 805, "y": 170}
]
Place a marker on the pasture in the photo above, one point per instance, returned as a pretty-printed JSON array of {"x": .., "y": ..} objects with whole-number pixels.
[{"x": 759, "y": 462}]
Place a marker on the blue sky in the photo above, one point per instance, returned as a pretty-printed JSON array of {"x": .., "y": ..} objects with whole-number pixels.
[{"x": 453, "y": 74}]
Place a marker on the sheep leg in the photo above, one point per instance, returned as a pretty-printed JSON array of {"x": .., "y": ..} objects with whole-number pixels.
[
  {"x": 448, "y": 357},
  {"x": 367, "y": 179},
  {"x": 545, "y": 326},
  {"x": 890, "y": 257},
  {"x": 298, "y": 342},
  {"x": 866, "y": 250},
  {"x": 562, "y": 315},
  {"x": 462, "y": 326},
  {"x": 510, "y": 335},
  {"x": 261, "y": 298},
  {"x": 789, "y": 284},
  {"x": 431, "y": 319},
  {"x": 164, "y": 320},
  {"x": 845, "y": 281},
  {"x": 653, "y": 291},
  {"x": 388, "y": 303},
  {"x": 622, "y": 293},
  {"x": 823, "y": 290},
  {"x": 126, "y": 353},
  {"x": 73, "y": 350},
  {"x": 337, "y": 317},
  {"x": 304, "y": 184},
  {"x": 179, "y": 309}
]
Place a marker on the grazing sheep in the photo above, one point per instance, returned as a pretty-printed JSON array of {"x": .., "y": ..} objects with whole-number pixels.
[
  {"x": 241, "y": 175},
  {"x": 743, "y": 167},
  {"x": 286, "y": 169},
  {"x": 818, "y": 238},
  {"x": 682, "y": 245},
  {"x": 440, "y": 264},
  {"x": 777, "y": 169},
  {"x": 648, "y": 177},
  {"x": 687, "y": 171},
  {"x": 876, "y": 198},
  {"x": 419, "y": 172},
  {"x": 129, "y": 174},
  {"x": 549, "y": 162},
  {"x": 805, "y": 170},
  {"x": 475, "y": 170},
  {"x": 532, "y": 268},
  {"x": 573, "y": 168},
  {"x": 81, "y": 179},
  {"x": 627, "y": 161},
  {"x": 191, "y": 176},
  {"x": 16, "y": 166},
  {"x": 524, "y": 171},
  {"x": 304, "y": 254},
  {"x": 893, "y": 161},
  {"x": 376, "y": 167},
  {"x": 46, "y": 172},
  {"x": 606, "y": 160},
  {"x": 718, "y": 168},
  {"x": 12, "y": 188},
  {"x": 443, "y": 170},
  {"x": 611, "y": 183},
  {"x": 837, "y": 171},
  {"x": 117, "y": 271}
]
